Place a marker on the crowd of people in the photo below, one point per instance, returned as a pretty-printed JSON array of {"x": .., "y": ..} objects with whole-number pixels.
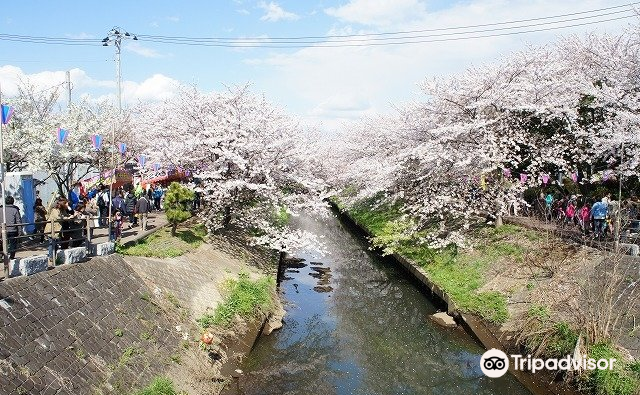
[
  {"x": 596, "y": 217},
  {"x": 67, "y": 221}
]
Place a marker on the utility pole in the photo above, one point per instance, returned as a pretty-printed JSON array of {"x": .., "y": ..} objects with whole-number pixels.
[
  {"x": 619, "y": 213},
  {"x": 3, "y": 229},
  {"x": 68, "y": 83},
  {"x": 115, "y": 37}
]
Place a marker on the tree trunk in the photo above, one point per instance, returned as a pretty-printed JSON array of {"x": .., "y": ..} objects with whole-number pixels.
[
  {"x": 498, "y": 220},
  {"x": 226, "y": 220},
  {"x": 174, "y": 228}
]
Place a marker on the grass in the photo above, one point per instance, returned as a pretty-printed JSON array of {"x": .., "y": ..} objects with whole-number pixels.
[
  {"x": 159, "y": 386},
  {"x": 562, "y": 341},
  {"x": 374, "y": 216},
  {"x": 539, "y": 312},
  {"x": 460, "y": 275},
  {"x": 245, "y": 298},
  {"x": 173, "y": 300},
  {"x": 623, "y": 379},
  {"x": 162, "y": 245},
  {"x": 127, "y": 355}
]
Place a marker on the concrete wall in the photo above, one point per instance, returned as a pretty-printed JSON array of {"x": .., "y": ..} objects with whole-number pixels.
[{"x": 82, "y": 329}]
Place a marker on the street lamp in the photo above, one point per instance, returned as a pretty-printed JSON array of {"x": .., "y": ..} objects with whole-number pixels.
[{"x": 115, "y": 37}]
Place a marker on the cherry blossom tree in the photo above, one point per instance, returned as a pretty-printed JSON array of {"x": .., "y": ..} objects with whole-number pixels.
[
  {"x": 31, "y": 140},
  {"x": 481, "y": 138},
  {"x": 248, "y": 154}
]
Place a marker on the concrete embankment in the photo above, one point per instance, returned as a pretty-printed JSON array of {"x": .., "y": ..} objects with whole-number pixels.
[{"x": 112, "y": 324}]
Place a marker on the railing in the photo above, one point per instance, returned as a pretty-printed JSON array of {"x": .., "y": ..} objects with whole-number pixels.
[{"x": 73, "y": 232}]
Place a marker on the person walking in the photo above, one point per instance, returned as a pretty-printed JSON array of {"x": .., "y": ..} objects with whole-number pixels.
[
  {"x": 117, "y": 203},
  {"x": 13, "y": 221},
  {"x": 599, "y": 212},
  {"x": 53, "y": 228},
  {"x": 130, "y": 208},
  {"x": 143, "y": 207},
  {"x": 157, "y": 196},
  {"x": 41, "y": 217},
  {"x": 103, "y": 205}
]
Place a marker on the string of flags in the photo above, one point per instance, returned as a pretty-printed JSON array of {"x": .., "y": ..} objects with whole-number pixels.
[{"x": 62, "y": 135}]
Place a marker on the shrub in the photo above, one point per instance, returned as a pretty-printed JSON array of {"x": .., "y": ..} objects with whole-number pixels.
[
  {"x": 177, "y": 204},
  {"x": 159, "y": 386}
]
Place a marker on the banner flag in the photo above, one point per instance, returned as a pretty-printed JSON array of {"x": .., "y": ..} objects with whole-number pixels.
[
  {"x": 62, "y": 136},
  {"x": 7, "y": 112}
]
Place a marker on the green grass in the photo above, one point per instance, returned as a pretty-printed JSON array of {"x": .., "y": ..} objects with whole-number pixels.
[
  {"x": 459, "y": 275},
  {"x": 159, "y": 386},
  {"x": 173, "y": 300},
  {"x": 245, "y": 297},
  {"x": 374, "y": 216},
  {"x": 623, "y": 379},
  {"x": 539, "y": 312},
  {"x": 127, "y": 355},
  {"x": 162, "y": 245},
  {"x": 280, "y": 217},
  {"x": 562, "y": 341}
]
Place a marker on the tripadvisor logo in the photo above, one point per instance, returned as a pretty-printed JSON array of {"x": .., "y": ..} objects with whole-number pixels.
[{"x": 495, "y": 363}]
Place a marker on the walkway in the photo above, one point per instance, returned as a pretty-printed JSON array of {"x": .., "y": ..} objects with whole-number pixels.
[{"x": 156, "y": 221}]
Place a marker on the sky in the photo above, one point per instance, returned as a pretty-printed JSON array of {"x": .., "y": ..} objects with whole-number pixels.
[{"x": 322, "y": 85}]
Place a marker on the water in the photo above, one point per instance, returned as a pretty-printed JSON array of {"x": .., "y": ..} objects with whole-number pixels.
[{"x": 364, "y": 329}]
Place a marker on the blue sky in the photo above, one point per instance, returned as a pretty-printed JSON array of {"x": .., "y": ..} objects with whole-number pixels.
[{"x": 321, "y": 85}]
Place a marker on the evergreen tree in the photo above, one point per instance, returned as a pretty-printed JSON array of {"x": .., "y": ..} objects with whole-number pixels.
[{"x": 177, "y": 204}]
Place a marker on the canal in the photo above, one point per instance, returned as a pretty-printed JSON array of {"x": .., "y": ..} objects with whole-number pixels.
[{"x": 357, "y": 323}]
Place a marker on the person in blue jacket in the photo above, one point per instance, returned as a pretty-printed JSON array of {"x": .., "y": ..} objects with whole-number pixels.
[{"x": 599, "y": 213}]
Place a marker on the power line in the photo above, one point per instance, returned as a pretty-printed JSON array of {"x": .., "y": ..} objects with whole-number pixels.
[
  {"x": 371, "y": 39},
  {"x": 397, "y": 32},
  {"x": 260, "y": 42},
  {"x": 421, "y": 41}
]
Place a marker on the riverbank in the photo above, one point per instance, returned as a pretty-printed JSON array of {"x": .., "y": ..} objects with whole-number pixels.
[
  {"x": 118, "y": 324},
  {"x": 517, "y": 290},
  {"x": 224, "y": 294}
]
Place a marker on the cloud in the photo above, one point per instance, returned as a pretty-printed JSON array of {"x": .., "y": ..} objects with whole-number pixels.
[
  {"x": 379, "y": 12},
  {"x": 333, "y": 84},
  {"x": 141, "y": 50},
  {"x": 347, "y": 105},
  {"x": 242, "y": 11},
  {"x": 157, "y": 87},
  {"x": 174, "y": 19},
  {"x": 275, "y": 13}
]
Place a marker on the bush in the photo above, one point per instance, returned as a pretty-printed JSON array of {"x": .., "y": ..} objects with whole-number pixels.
[
  {"x": 159, "y": 386},
  {"x": 177, "y": 205}
]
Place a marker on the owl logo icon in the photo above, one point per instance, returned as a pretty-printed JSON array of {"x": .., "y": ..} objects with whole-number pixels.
[{"x": 494, "y": 363}]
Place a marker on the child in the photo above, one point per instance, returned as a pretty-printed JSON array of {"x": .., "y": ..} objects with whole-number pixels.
[
  {"x": 570, "y": 211},
  {"x": 583, "y": 217},
  {"x": 116, "y": 226}
]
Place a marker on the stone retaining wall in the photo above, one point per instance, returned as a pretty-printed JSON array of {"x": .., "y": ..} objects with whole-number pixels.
[{"x": 89, "y": 328}]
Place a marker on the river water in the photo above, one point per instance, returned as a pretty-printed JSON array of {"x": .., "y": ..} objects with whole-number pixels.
[{"x": 358, "y": 324}]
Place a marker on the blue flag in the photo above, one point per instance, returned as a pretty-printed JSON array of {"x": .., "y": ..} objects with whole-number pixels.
[{"x": 7, "y": 112}]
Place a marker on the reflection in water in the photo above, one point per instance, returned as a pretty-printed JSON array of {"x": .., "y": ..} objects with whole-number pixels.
[{"x": 356, "y": 324}]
